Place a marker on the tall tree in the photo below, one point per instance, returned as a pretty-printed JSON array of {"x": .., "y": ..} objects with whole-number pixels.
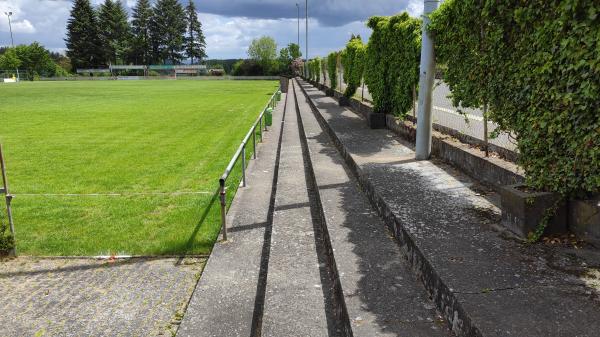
[
  {"x": 294, "y": 50},
  {"x": 83, "y": 42},
  {"x": 141, "y": 49},
  {"x": 114, "y": 31},
  {"x": 195, "y": 44},
  {"x": 264, "y": 51},
  {"x": 168, "y": 30}
]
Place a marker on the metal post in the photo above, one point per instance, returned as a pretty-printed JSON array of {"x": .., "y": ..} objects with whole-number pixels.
[
  {"x": 485, "y": 130},
  {"x": 306, "y": 67},
  {"x": 260, "y": 128},
  {"x": 427, "y": 72},
  {"x": 8, "y": 198},
  {"x": 244, "y": 165},
  {"x": 362, "y": 97},
  {"x": 298, "y": 7},
  {"x": 414, "y": 99},
  {"x": 223, "y": 195},
  {"x": 254, "y": 142}
]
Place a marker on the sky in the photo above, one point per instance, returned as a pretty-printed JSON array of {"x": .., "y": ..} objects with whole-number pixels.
[{"x": 229, "y": 25}]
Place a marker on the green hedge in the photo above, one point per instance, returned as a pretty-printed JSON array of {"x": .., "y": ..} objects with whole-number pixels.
[
  {"x": 316, "y": 69},
  {"x": 537, "y": 65},
  {"x": 392, "y": 62},
  {"x": 353, "y": 61},
  {"x": 332, "y": 60}
]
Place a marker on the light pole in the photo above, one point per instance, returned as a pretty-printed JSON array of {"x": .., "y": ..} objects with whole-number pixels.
[
  {"x": 9, "y": 14},
  {"x": 12, "y": 42},
  {"x": 306, "y": 67},
  {"x": 298, "y": 7},
  {"x": 427, "y": 71}
]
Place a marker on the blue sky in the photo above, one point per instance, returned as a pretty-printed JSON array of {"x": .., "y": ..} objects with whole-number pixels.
[{"x": 229, "y": 25}]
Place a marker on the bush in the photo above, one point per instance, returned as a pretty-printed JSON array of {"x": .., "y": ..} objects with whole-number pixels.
[
  {"x": 353, "y": 62},
  {"x": 248, "y": 68},
  {"x": 332, "y": 60},
  {"x": 7, "y": 241},
  {"x": 392, "y": 60},
  {"x": 314, "y": 69},
  {"x": 536, "y": 64}
]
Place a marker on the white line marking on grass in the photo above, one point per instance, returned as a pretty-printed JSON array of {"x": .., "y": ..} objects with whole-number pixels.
[{"x": 110, "y": 194}]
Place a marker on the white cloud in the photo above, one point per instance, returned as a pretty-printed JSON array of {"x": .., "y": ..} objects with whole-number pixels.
[
  {"x": 227, "y": 35},
  {"x": 415, "y": 8}
]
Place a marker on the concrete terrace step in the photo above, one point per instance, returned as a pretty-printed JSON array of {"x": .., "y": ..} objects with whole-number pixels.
[
  {"x": 296, "y": 302},
  {"x": 483, "y": 283},
  {"x": 224, "y": 301},
  {"x": 381, "y": 295}
]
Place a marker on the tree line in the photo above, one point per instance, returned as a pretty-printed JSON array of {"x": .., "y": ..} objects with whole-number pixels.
[
  {"x": 32, "y": 61},
  {"x": 263, "y": 59},
  {"x": 166, "y": 33}
]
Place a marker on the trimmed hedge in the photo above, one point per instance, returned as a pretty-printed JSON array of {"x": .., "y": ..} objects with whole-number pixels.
[
  {"x": 537, "y": 65},
  {"x": 314, "y": 69},
  {"x": 332, "y": 60},
  {"x": 353, "y": 62},
  {"x": 392, "y": 62}
]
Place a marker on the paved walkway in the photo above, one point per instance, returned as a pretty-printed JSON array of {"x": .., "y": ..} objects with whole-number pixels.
[{"x": 85, "y": 297}]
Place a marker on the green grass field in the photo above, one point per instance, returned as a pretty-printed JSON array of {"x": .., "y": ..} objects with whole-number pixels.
[{"x": 137, "y": 138}]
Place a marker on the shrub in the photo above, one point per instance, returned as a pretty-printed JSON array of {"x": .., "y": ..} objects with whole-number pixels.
[
  {"x": 332, "y": 60},
  {"x": 536, "y": 63},
  {"x": 316, "y": 69},
  {"x": 7, "y": 241},
  {"x": 353, "y": 62},
  {"x": 392, "y": 62}
]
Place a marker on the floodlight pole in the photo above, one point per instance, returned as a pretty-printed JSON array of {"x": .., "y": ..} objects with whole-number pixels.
[
  {"x": 426, "y": 76},
  {"x": 12, "y": 41},
  {"x": 306, "y": 66},
  {"x": 298, "y": 8}
]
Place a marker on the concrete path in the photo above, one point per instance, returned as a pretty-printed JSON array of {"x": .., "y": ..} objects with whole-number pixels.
[
  {"x": 381, "y": 295},
  {"x": 296, "y": 296},
  {"x": 484, "y": 283},
  {"x": 227, "y": 299}
]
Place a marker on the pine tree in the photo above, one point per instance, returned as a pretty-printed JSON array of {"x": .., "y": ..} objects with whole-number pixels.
[
  {"x": 141, "y": 49},
  {"x": 114, "y": 31},
  {"x": 168, "y": 30},
  {"x": 195, "y": 44},
  {"x": 82, "y": 41}
]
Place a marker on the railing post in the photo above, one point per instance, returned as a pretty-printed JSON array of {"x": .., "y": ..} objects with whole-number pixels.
[
  {"x": 260, "y": 127},
  {"x": 223, "y": 210},
  {"x": 244, "y": 166},
  {"x": 485, "y": 130},
  {"x": 254, "y": 142}
]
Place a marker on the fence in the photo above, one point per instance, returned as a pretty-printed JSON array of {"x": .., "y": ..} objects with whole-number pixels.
[
  {"x": 241, "y": 154},
  {"x": 462, "y": 121}
]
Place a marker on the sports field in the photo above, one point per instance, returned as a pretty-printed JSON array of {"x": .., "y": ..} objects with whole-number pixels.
[{"x": 122, "y": 167}]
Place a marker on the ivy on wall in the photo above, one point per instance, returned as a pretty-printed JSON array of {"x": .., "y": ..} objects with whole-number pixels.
[
  {"x": 332, "y": 60},
  {"x": 537, "y": 65},
  {"x": 353, "y": 63},
  {"x": 392, "y": 62}
]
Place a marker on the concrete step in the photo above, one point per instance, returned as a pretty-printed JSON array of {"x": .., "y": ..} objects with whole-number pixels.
[
  {"x": 224, "y": 302},
  {"x": 484, "y": 283},
  {"x": 297, "y": 292},
  {"x": 381, "y": 295}
]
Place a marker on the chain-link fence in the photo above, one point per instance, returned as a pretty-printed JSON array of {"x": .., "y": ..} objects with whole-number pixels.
[{"x": 464, "y": 121}]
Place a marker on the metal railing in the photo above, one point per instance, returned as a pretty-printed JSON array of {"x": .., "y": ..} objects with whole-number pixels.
[{"x": 241, "y": 153}]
